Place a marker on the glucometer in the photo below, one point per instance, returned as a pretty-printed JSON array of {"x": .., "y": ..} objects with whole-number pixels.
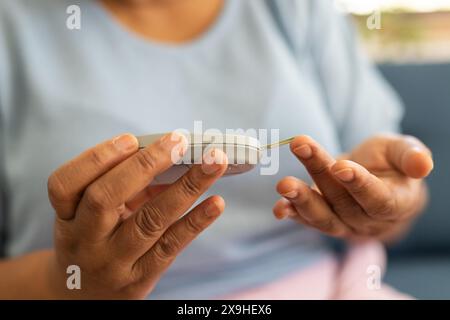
[{"x": 243, "y": 152}]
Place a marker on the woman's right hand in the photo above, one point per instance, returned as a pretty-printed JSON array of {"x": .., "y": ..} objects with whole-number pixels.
[{"x": 122, "y": 233}]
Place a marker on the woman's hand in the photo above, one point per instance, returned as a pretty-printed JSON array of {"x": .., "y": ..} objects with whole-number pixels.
[
  {"x": 375, "y": 192},
  {"x": 122, "y": 233}
]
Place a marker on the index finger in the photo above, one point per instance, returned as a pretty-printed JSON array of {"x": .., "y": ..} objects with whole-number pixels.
[
  {"x": 318, "y": 162},
  {"x": 139, "y": 233}
]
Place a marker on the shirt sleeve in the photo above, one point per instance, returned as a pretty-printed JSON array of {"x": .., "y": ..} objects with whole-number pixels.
[{"x": 360, "y": 101}]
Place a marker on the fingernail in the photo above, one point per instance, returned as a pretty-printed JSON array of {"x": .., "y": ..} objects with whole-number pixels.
[
  {"x": 304, "y": 152},
  {"x": 177, "y": 143},
  {"x": 290, "y": 195},
  {"x": 125, "y": 142},
  {"x": 288, "y": 214},
  {"x": 345, "y": 175},
  {"x": 213, "y": 161},
  {"x": 174, "y": 137},
  {"x": 212, "y": 210}
]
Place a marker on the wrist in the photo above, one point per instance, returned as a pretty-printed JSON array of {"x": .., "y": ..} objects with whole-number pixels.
[{"x": 56, "y": 280}]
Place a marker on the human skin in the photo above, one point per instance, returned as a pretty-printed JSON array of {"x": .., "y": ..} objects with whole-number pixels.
[
  {"x": 386, "y": 194},
  {"x": 394, "y": 189},
  {"x": 121, "y": 232},
  {"x": 41, "y": 274},
  {"x": 168, "y": 21},
  {"x": 375, "y": 191}
]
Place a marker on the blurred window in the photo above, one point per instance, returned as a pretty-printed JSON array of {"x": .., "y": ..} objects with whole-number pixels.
[{"x": 410, "y": 30}]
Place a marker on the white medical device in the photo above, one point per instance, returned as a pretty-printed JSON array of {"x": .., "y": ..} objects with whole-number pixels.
[{"x": 243, "y": 153}]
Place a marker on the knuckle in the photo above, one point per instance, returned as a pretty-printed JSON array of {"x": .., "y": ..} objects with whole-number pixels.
[
  {"x": 56, "y": 188},
  {"x": 98, "y": 158},
  {"x": 167, "y": 246},
  {"x": 319, "y": 168},
  {"x": 97, "y": 197},
  {"x": 192, "y": 226},
  {"x": 147, "y": 160},
  {"x": 190, "y": 185},
  {"x": 150, "y": 222}
]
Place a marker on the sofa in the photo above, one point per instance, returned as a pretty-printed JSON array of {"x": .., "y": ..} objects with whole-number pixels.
[{"x": 420, "y": 263}]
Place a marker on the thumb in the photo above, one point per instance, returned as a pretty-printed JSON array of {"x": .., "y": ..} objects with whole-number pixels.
[{"x": 410, "y": 156}]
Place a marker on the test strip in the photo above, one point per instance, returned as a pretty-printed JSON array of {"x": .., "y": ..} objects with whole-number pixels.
[{"x": 277, "y": 144}]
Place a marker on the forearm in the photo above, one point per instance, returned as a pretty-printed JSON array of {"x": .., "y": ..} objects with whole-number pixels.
[{"x": 29, "y": 277}]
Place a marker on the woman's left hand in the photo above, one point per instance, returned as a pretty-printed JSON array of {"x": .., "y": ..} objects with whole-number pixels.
[{"x": 375, "y": 192}]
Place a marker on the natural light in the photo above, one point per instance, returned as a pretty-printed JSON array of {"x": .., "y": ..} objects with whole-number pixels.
[{"x": 368, "y": 6}]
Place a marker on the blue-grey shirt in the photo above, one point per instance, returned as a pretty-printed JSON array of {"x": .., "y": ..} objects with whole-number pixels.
[{"x": 62, "y": 91}]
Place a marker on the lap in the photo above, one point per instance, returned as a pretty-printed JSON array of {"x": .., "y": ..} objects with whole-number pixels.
[{"x": 355, "y": 277}]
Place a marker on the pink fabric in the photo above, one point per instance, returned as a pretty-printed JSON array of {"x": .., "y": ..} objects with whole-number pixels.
[{"x": 330, "y": 279}]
